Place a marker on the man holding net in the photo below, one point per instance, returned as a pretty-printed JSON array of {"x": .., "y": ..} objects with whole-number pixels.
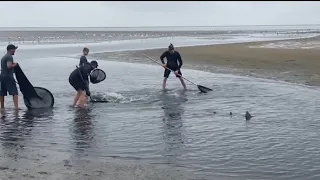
[
  {"x": 174, "y": 63},
  {"x": 78, "y": 80},
  {"x": 8, "y": 83}
]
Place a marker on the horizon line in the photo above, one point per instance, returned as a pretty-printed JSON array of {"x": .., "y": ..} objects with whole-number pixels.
[{"x": 161, "y": 26}]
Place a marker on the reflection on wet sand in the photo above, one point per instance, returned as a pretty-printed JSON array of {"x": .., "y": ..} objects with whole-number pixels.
[
  {"x": 81, "y": 130},
  {"x": 173, "y": 134},
  {"x": 16, "y": 127}
]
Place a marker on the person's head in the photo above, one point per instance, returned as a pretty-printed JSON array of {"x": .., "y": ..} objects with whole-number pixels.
[
  {"x": 94, "y": 64},
  {"x": 11, "y": 49},
  {"x": 171, "y": 48},
  {"x": 85, "y": 51}
]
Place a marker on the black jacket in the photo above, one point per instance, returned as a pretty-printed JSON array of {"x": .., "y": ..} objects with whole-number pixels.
[
  {"x": 173, "y": 59},
  {"x": 85, "y": 70}
]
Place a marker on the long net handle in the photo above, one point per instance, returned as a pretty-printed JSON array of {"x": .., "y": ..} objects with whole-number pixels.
[{"x": 168, "y": 68}]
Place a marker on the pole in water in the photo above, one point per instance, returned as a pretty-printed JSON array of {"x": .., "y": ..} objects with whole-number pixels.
[{"x": 203, "y": 89}]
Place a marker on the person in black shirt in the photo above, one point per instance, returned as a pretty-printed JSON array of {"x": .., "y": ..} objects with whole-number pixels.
[
  {"x": 78, "y": 79},
  {"x": 83, "y": 58},
  {"x": 174, "y": 62}
]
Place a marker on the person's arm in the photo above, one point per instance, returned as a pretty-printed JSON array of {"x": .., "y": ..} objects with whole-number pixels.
[
  {"x": 10, "y": 63},
  {"x": 86, "y": 69},
  {"x": 179, "y": 60},
  {"x": 83, "y": 60},
  {"x": 163, "y": 56}
]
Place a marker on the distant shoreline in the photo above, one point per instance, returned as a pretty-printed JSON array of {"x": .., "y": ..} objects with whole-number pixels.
[
  {"x": 299, "y": 66},
  {"x": 170, "y": 26}
]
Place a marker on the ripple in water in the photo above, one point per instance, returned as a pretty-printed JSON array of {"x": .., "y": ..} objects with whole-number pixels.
[{"x": 173, "y": 128}]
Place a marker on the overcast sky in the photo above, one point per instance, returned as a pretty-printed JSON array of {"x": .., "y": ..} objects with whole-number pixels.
[{"x": 126, "y": 14}]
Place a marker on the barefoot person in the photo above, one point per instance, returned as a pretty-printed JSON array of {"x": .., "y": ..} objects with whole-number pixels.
[
  {"x": 8, "y": 83},
  {"x": 174, "y": 62},
  {"x": 78, "y": 79}
]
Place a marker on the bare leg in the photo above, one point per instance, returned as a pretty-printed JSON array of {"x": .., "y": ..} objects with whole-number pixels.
[
  {"x": 82, "y": 99},
  {"x": 164, "y": 83},
  {"x": 2, "y": 102},
  {"x": 76, "y": 98},
  {"x": 15, "y": 101},
  {"x": 182, "y": 82}
]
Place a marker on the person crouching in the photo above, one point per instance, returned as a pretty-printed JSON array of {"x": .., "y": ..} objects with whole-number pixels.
[{"x": 78, "y": 79}]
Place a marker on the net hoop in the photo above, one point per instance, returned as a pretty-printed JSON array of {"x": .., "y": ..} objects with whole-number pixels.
[
  {"x": 97, "y": 76},
  {"x": 46, "y": 99}
]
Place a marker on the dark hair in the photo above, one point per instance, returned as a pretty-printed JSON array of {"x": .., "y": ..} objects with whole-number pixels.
[
  {"x": 85, "y": 49},
  {"x": 94, "y": 63},
  {"x": 171, "y": 47}
]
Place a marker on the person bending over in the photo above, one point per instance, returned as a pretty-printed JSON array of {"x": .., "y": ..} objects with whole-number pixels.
[
  {"x": 8, "y": 83},
  {"x": 174, "y": 62},
  {"x": 78, "y": 79}
]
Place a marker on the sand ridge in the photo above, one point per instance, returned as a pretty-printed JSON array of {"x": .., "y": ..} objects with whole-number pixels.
[{"x": 291, "y": 65}]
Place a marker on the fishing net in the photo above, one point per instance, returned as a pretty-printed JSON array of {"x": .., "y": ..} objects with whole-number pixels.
[
  {"x": 45, "y": 100},
  {"x": 97, "y": 75},
  {"x": 34, "y": 97},
  {"x": 204, "y": 89}
]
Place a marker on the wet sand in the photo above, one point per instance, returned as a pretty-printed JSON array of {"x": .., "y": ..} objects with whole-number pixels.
[
  {"x": 290, "y": 65},
  {"x": 86, "y": 169}
]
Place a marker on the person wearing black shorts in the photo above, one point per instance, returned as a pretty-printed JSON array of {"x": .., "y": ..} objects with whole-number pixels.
[
  {"x": 174, "y": 62},
  {"x": 78, "y": 79}
]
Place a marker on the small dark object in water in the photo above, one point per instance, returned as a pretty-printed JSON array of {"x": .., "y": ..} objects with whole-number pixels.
[
  {"x": 230, "y": 113},
  {"x": 248, "y": 116},
  {"x": 214, "y": 112}
]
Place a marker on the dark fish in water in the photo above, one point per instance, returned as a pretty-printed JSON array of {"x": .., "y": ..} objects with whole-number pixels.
[
  {"x": 248, "y": 116},
  {"x": 230, "y": 113}
]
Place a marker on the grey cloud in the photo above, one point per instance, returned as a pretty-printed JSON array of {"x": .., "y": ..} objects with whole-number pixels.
[{"x": 104, "y": 14}]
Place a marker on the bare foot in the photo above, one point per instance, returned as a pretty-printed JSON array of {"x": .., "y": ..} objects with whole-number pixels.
[{"x": 81, "y": 106}]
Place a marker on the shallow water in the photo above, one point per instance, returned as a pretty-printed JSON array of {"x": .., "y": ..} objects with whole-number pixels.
[{"x": 173, "y": 128}]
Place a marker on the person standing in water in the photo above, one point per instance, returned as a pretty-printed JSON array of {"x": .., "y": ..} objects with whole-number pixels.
[
  {"x": 174, "y": 62},
  {"x": 78, "y": 79},
  {"x": 8, "y": 83},
  {"x": 83, "y": 60}
]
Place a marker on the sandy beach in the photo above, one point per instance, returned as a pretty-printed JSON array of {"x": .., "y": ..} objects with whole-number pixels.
[{"x": 291, "y": 64}]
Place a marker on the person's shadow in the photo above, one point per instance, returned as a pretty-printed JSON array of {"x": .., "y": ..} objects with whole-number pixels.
[{"x": 173, "y": 131}]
